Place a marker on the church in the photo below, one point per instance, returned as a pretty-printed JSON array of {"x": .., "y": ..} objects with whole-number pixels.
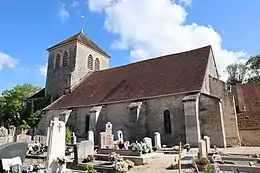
[{"x": 178, "y": 95}]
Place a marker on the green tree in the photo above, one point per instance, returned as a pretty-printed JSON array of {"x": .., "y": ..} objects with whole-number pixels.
[
  {"x": 15, "y": 109},
  {"x": 68, "y": 136},
  {"x": 236, "y": 73},
  {"x": 253, "y": 65}
]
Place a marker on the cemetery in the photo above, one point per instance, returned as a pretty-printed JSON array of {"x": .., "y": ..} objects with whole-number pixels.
[{"x": 50, "y": 153}]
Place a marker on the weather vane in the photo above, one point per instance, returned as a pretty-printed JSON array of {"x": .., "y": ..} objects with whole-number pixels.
[{"x": 82, "y": 22}]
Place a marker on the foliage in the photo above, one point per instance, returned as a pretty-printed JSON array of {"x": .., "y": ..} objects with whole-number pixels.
[
  {"x": 121, "y": 165},
  {"x": 202, "y": 161},
  {"x": 236, "y": 73},
  {"x": 14, "y": 105},
  {"x": 208, "y": 169},
  {"x": 68, "y": 136},
  {"x": 253, "y": 65},
  {"x": 113, "y": 157},
  {"x": 90, "y": 168}
]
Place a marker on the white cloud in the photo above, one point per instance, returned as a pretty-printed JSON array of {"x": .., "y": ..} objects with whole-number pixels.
[
  {"x": 43, "y": 70},
  {"x": 150, "y": 28},
  {"x": 7, "y": 61},
  {"x": 63, "y": 12},
  {"x": 74, "y": 4}
]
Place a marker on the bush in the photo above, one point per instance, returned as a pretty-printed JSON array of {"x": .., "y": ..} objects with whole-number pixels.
[
  {"x": 90, "y": 168},
  {"x": 68, "y": 136},
  {"x": 202, "y": 161}
]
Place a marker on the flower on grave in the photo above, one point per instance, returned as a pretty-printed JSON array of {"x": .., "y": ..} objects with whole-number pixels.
[
  {"x": 121, "y": 166},
  {"x": 120, "y": 144},
  {"x": 89, "y": 158},
  {"x": 112, "y": 157},
  {"x": 130, "y": 164},
  {"x": 61, "y": 160}
]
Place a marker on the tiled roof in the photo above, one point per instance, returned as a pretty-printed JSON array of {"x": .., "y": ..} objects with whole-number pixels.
[
  {"x": 81, "y": 37},
  {"x": 176, "y": 73},
  {"x": 39, "y": 94},
  {"x": 250, "y": 118}
]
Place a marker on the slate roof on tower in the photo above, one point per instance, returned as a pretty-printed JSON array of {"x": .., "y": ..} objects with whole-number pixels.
[
  {"x": 170, "y": 74},
  {"x": 81, "y": 37}
]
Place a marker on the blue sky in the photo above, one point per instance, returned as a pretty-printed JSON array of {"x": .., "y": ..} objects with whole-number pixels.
[{"x": 123, "y": 30}]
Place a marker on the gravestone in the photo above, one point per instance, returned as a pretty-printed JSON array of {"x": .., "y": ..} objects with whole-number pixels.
[
  {"x": 202, "y": 148},
  {"x": 120, "y": 135},
  {"x": 40, "y": 139},
  {"x": 56, "y": 146},
  {"x": 23, "y": 138},
  {"x": 85, "y": 148},
  {"x": 3, "y": 135},
  {"x": 207, "y": 141},
  {"x": 148, "y": 141},
  {"x": 157, "y": 140},
  {"x": 74, "y": 138},
  {"x": 109, "y": 128},
  {"x": 91, "y": 135},
  {"x": 48, "y": 136},
  {"x": 106, "y": 140}
]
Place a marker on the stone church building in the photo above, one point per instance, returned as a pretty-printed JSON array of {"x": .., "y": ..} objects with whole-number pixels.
[{"x": 179, "y": 95}]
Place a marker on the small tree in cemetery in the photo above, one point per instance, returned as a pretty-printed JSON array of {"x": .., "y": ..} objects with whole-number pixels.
[
  {"x": 68, "y": 136},
  {"x": 253, "y": 64}
]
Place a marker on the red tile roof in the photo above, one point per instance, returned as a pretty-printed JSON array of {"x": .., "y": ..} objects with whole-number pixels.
[
  {"x": 250, "y": 118},
  {"x": 176, "y": 73},
  {"x": 81, "y": 37}
]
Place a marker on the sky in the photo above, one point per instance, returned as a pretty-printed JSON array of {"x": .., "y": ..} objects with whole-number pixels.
[{"x": 128, "y": 30}]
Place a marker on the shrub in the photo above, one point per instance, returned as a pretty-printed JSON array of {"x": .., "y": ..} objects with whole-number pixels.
[{"x": 68, "y": 136}]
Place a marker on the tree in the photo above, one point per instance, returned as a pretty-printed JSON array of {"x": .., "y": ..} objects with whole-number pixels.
[
  {"x": 253, "y": 65},
  {"x": 15, "y": 109},
  {"x": 236, "y": 73}
]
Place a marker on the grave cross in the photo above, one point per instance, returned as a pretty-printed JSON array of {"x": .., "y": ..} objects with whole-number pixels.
[{"x": 59, "y": 126}]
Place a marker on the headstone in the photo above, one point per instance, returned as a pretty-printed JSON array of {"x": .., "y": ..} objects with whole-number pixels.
[
  {"x": 74, "y": 138},
  {"x": 109, "y": 128},
  {"x": 48, "y": 136},
  {"x": 3, "y": 135},
  {"x": 202, "y": 148},
  {"x": 85, "y": 148},
  {"x": 40, "y": 139},
  {"x": 91, "y": 135},
  {"x": 149, "y": 142},
  {"x": 24, "y": 138},
  {"x": 106, "y": 140},
  {"x": 207, "y": 140},
  {"x": 120, "y": 135},
  {"x": 56, "y": 145},
  {"x": 157, "y": 140}
]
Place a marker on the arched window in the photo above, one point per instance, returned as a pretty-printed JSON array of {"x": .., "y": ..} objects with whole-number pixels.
[
  {"x": 87, "y": 124},
  {"x": 65, "y": 58},
  {"x": 90, "y": 62},
  {"x": 97, "y": 64},
  {"x": 167, "y": 121},
  {"x": 57, "y": 61}
]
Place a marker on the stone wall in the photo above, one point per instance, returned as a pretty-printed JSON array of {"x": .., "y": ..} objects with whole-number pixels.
[
  {"x": 151, "y": 120},
  {"x": 250, "y": 137},
  {"x": 211, "y": 120},
  {"x": 218, "y": 89}
]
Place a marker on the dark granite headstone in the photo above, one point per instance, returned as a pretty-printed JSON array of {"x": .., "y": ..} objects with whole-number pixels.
[{"x": 14, "y": 149}]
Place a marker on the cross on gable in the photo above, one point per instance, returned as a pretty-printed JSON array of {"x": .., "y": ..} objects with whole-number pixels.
[{"x": 59, "y": 126}]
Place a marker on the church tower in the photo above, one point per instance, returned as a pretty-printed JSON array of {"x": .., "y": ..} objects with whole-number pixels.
[{"x": 72, "y": 60}]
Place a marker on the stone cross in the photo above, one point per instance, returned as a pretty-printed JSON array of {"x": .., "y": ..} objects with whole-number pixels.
[
  {"x": 120, "y": 135},
  {"x": 74, "y": 138},
  {"x": 109, "y": 128},
  {"x": 56, "y": 145},
  {"x": 157, "y": 140}
]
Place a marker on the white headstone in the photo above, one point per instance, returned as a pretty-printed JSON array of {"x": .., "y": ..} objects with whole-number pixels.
[
  {"x": 157, "y": 140},
  {"x": 207, "y": 140},
  {"x": 3, "y": 135},
  {"x": 56, "y": 145},
  {"x": 109, "y": 128},
  {"x": 202, "y": 148},
  {"x": 74, "y": 138},
  {"x": 91, "y": 135},
  {"x": 120, "y": 135},
  {"x": 85, "y": 148},
  {"x": 149, "y": 142},
  {"x": 48, "y": 136}
]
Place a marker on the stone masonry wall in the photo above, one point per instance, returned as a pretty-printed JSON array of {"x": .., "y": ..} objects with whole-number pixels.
[
  {"x": 250, "y": 137},
  {"x": 151, "y": 120},
  {"x": 218, "y": 89},
  {"x": 211, "y": 120}
]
